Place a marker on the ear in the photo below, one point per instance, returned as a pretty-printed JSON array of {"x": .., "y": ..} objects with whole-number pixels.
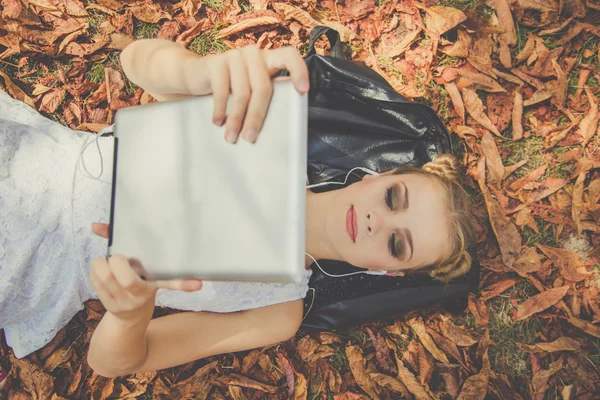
[{"x": 395, "y": 273}]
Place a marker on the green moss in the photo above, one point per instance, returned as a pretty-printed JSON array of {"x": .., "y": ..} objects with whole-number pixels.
[
  {"x": 94, "y": 20},
  {"x": 206, "y": 43},
  {"x": 354, "y": 334},
  {"x": 522, "y": 36},
  {"x": 462, "y": 4},
  {"x": 530, "y": 148},
  {"x": 144, "y": 30},
  {"x": 447, "y": 60},
  {"x": 214, "y": 4}
]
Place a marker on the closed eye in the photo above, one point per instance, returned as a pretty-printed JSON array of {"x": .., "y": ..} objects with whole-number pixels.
[{"x": 388, "y": 198}]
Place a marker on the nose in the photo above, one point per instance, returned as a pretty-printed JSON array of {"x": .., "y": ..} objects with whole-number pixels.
[{"x": 374, "y": 222}]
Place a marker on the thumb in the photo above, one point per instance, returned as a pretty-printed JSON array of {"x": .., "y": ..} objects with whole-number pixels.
[{"x": 100, "y": 229}]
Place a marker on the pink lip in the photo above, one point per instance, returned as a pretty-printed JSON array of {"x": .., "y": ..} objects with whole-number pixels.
[{"x": 351, "y": 225}]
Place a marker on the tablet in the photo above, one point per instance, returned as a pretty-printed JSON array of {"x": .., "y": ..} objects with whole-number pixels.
[{"x": 188, "y": 204}]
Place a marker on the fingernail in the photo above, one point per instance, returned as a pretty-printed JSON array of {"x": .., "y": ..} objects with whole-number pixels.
[
  {"x": 2, "y": 375},
  {"x": 251, "y": 135},
  {"x": 303, "y": 85},
  {"x": 231, "y": 136},
  {"x": 219, "y": 122}
]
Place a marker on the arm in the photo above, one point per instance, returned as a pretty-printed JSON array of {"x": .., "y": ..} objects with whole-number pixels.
[
  {"x": 240, "y": 77},
  {"x": 165, "y": 69},
  {"x": 176, "y": 339}
]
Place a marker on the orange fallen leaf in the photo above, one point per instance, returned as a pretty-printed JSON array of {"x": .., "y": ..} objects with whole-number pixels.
[
  {"x": 540, "y": 302},
  {"x": 517, "y": 116},
  {"x": 479, "y": 310},
  {"x": 441, "y": 19},
  {"x": 244, "y": 381},
  {"x": 457, "y": 102},
  {"x": 539, "y": 382},
  {"x": 350, "y": 396},
  {"x": 296, "y": 13},
  {"x": 150, "y": 12},
  {"x": 561, "y": 344},
  {"x": 390, "y": 383},
  {"x": 476, "y": 80},
  {"x": 419, "y": 329},
  {"x": 539, "y": 96},
  {"x": 589, "y": 124},
  {"x": 475, "y": 387},
  {"x": 509, "y": 36},
  {"x": 310, "y": 350},
  {"x": 457, "y": 334},
  {"x": 52, "y": 99},
  {"x": 527, "y": 49},
  {"x": 567, "y": 261},
  {"x": 528, "y": 261},
  {"x": 560, "y": 88},
  {"x": 498, "y": 288},
  {"x": 16, "y": 91},
  {"x": 492, "y": 159},
  {"x": 527, "y": 179},
  {"x": 506, "y": 232},
  {"x": 411, "y": 383},
  {"x": 586, "y": 326},
  {"x": 425, "y": 365},
  {"x": 446, "y": 344},
  {"x": 474, "y": 106},
  {"x": 245, "y": 24},
  {"x": 577, "y": 202},
  {"x": 357, "y": 364}
]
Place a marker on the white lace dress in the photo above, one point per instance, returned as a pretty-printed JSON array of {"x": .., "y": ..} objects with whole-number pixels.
[{"x": 47, "y": 205}]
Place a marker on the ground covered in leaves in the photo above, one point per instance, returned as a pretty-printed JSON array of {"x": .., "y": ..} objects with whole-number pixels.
[{"x": 516, "y": 81}]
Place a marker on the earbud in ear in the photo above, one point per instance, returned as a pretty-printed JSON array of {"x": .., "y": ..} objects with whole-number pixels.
[{"x": 376, "y": 272}]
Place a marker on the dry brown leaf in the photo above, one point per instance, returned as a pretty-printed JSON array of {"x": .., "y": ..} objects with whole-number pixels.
[
  {"x": 527, "y": 179},
  {"x": 441, "y": 19},
  {"x": 577, "y": 202},
  {"x": 539, "y": 382},
  {"x": 16, "y": 91},
  {"x": 32, "y": 378},
  {"x": 540, "y": 302},
  {"x": 245, "y": 24},
  {"x": 250, "y": 360},
  {"x": 300, "y": 388},
  {"x": 419, "y": 329},
  {"x": 492, "y": 159},
  {"x": 539, "y": 96},
  {"x": 506, "y": 232},
  {"x": 460, "y": 48},
  {"x": 584, "y": 74},
  {"x": 52, "y": 99},
  {"x": 512, "y": 168},
  {"x": 390, "y": 383},
  {"x": 474, "y": 106},
  {"x": 586, "y": 326},
  {"x": 561, "y": 344},
  {"x": 545, "y": 189},
  {"x": 476, "y": 80},
  {"x": 527, "y": 49},
  {"x": 475, "y": 387},
  {"x": 517, "y": 116},
  {"x": 75, "y": 8},
  {"x": 457, "y": 334},
  {"x": 357, "y": 362},
  {"x": 480, "y": 53},
  {"x": 244, "y": 381},
  {"x": 411, "y": 383},
  {"x": 509, "y": 36},
  {"x": 191, "y": 7},
  {"x": 382, "y": 352},
  {"x": 589, "y": 124},
  {"x": 456, "y": 98},
  {"x": 529, "y": 261},
  {"x": 150, "y": 12},
  {"x": 310, "y": 350},
  {"x": 497, "y": 288},
  {"x": 296, "y": 13},
  {"x": 425, "y": 365},
  {"x": 568, "y": 262},
  {"x": 350, "y": 396},
  {"x": 329, "y": 338},
  {"x": 446, "y": 344},
  {"x": 560, "y": 88},
  {"x": 479, "y": 310}
]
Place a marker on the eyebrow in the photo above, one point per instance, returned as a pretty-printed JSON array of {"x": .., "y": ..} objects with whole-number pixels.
[{"x": 407, "y": 233}]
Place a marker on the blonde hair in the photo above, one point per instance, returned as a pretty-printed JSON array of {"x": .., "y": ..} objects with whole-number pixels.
[{"x": 445, "y": 171}]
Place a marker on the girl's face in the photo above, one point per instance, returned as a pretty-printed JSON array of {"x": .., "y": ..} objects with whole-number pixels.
[{"x": 390, "y": 222}]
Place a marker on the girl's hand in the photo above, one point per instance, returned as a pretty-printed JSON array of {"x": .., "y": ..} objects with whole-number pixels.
[
  {"x": 118, "y": 284},
  {"x": 122, "y": 292},
  {"x": 246, "y": 73}
]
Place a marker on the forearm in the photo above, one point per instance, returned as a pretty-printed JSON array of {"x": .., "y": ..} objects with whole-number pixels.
[
  {"x": 162, "y": 67},
  {"x": 118, "y": 347}
]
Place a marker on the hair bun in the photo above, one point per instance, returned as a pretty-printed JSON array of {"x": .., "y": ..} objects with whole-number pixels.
[
  {"x": 454, "y": 270},
  {"x": 444, "y": 165}
]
